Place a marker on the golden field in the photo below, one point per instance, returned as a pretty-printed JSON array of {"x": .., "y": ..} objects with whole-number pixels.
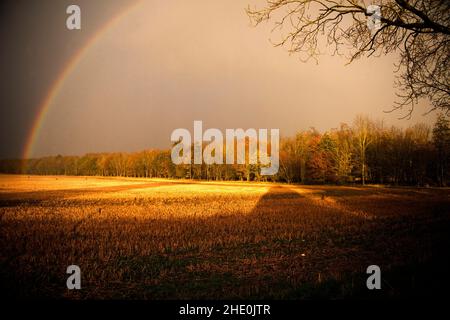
[{"x": 168, "y": 239}]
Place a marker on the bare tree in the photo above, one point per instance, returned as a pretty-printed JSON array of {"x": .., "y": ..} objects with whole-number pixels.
[
  {"x": 418, "y": 29},
  {"x": 343, "y": 153},
  {"x": 363, "y": 128}
]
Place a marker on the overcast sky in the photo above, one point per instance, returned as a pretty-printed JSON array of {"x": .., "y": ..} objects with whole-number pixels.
[{"x": 163, "y": 65}]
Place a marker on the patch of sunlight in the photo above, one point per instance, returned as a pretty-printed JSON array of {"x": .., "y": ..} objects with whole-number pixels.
[{"x": 25, "y": 183}]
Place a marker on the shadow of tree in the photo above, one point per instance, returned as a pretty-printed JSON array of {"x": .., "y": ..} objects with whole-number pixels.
[{"x": 290, "y": 245}]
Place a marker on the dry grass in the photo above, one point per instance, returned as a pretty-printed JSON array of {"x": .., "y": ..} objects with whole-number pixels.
[{"x": 162, "y": 239}]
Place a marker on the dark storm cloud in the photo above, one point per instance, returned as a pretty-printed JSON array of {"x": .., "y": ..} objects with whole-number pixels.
[{"x": 35, "y": 45}]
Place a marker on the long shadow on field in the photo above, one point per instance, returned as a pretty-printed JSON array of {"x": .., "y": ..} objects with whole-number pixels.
[
  {"x": 364, "y": 191},
  {"x": 277, "y": 198},
  {"x": 411, "y": 251},
  {"x": 287, "y": 247}
]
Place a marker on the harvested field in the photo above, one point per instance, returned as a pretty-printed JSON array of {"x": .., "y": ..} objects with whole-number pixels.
[{"x": 180, "y": 239}]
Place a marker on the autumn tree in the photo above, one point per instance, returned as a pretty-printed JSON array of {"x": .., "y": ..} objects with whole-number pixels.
[
  {"x": 379, "y": 154},
  {"x": 320, "y": 166},
  {"x": 343, "y": 153},
  {"x": 288, "y": 160},
  {"x": 303, "y": 150},
  {"x": 441, "y": 140}
]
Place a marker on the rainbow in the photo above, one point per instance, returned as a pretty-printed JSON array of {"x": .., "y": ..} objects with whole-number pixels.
[{"x": 44, "y": 106}]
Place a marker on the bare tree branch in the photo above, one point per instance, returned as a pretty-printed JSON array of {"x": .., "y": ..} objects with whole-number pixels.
[{"x": 418, "y": 29}]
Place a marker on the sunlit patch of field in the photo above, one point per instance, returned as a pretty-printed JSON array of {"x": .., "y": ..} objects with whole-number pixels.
[
  {"x": 20, "y": 183},
  {"x": 163, "y": 239}
]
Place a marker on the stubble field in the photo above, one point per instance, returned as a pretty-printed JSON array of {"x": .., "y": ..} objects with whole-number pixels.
[{"x": 163, "y": 239}]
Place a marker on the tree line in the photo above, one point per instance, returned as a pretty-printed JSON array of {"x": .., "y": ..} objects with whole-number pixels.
[{"x": 364, "y": 152}]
